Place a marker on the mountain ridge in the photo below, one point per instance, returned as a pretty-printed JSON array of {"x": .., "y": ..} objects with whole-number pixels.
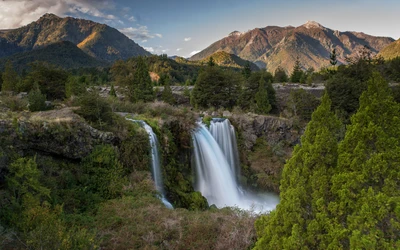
[
  {"x": 274, "y": 46},
  {"x": 97, "y": 40}
]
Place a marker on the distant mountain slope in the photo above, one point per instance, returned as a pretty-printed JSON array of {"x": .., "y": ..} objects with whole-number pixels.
[
  {"x": 63, "y": 54},
  {"x": 274, "y": 46},
  {"x": 391, "y": 51},
  {"x": 97, "y": 40},
  {"x": 223, "y": 58}
]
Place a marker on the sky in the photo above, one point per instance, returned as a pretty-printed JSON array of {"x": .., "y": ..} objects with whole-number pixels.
[{"x": 184, "y": 27}]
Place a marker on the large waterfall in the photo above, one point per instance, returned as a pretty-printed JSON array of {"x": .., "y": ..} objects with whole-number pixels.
[
  {"x": 215, "y": 162},
  {"x": 155, "y": 162},
  {"x": 224, "y": 133}
]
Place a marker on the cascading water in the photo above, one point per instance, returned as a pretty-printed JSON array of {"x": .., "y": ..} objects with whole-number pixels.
[
  {"x": 155, "y": 162},
  {"x": 224, "y": 133},
  {"x": 216, "y": 179}
]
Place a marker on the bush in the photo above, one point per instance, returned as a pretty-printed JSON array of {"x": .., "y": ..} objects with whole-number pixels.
[
  {"x": 37, "y": 101},
  {"x": 95, "y": 110}
]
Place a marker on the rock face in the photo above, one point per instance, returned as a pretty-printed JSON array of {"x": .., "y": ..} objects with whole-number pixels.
[
  {"x": 95, "y": 39},
  {"x": 275, "y": 46},
  {"x": 57, "y": 132},
  {"x": 274, "y": 129}
]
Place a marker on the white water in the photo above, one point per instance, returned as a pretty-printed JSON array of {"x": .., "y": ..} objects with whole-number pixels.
[
  {"x": 216, "y": 179},
  {"x": 224, "y": 133},
  {"x": 155, "y": 162}
]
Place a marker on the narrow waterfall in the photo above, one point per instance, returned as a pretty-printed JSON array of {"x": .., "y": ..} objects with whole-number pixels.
[
  {"x": 155, "y": 162},
  {"x": 224, "y": 133},
  {"x": 216, "y": 179}
]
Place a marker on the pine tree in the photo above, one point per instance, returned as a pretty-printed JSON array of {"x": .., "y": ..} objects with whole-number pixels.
[
  {"x": 10, "y": 78},
  {"x": 113, "y": 93},
  {"x": 367, "y": 188},
  {"x": 166, "y": 94},
  {"x": 333, "y": 59},
  {"x": 141, "y": 88},
  {"x": 262, "y": 103},
  {"x": 246, "y": 72},
  {"x": 211, "y": 62},
  {"x": 299, "y": 221},
  {"x": 297, "y": 73}
]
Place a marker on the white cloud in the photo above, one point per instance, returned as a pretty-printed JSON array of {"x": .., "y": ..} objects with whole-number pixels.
[
  {"x": 187, "y": 39},
  {"x": 144, "y": 41},
  {"x": 178, "y": 49},
  {"x": 140, "y": 32},
  {"x": 149, "y": 49},
  {"x": 132, "y": 19},
  {"x": 16, "y": 13},
  {"x": 194, "y": 52}
]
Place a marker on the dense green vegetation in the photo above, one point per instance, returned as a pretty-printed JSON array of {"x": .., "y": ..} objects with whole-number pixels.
[{"x": 341, "y": 195}]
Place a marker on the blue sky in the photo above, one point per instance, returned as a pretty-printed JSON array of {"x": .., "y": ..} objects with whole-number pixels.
[{"x": 178, "y": 27}]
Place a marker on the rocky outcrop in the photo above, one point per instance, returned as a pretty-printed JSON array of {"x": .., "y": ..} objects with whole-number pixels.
[
  {"x": 275, "y": 129},
  {"x": 58, "y": 132}
]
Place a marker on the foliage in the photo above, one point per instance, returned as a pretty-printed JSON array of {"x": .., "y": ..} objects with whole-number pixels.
[
  {"x": 246, "y": 71},
  {"x": 166, "y": 94},
  {"x": 252, "y": 86},
  {"x": 75, "y": 86},
  {"x": 216, "y": 88},
  {"x": 9, "y": 78},
  {"x": 104, "y": 172},
  {"x": 51, "y": 80},
  {"x": 297, "y": 72},
  {"x": 302, "y": 104},
  {"x": 262, "y": 103},
  {"x": 37, "y": 101},
  {"x": 141, "y": 88},
  {"x": 112, "y": 91},
  {"x": 95, "y": 109},
  {"x": 299, "y": 220},
  {"x": 280, "y": 75},
  {"x": 333, "y": 59}
]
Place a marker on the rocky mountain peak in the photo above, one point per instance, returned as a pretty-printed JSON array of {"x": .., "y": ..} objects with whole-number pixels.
[
  {"x": 312, "y": 24},
  {"x": 235, "y": 33},
  {"x": 49, "y": 16}
]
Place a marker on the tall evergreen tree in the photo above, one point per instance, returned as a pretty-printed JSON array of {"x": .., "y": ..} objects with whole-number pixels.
[
  {"x": 262, "y": 103},
  {"x": 299, "y": 221},
  {"x": 297, "y": 72},
  {"x": 246, "y": 72},
  {"x": 333, "y": 59},
  {"x": 166, "y": 94},
  {"x": 211, "y": 62},
  {"x": 10, "y": 78},
  {"x": 141, "y": 87},
  {"x": 367, "y": 188}
]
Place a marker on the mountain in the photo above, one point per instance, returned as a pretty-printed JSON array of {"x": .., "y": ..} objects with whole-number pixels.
[
  {"x": 275, "y": 46},
  {"x": 97, "y": 40},
  {"x": 223, "y": 58},
  {"x": 63, "y": 54},
  {"x": 391, "y": 51}
]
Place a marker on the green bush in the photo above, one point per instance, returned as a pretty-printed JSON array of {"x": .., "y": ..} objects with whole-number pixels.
[{"x": 37, "y": 101}]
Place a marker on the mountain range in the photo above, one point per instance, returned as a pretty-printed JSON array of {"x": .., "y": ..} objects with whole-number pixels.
[
  {"x": 311, "y": 43},
  {"x": 99, "y": 41},
  {"x": 391, "y": 51}
]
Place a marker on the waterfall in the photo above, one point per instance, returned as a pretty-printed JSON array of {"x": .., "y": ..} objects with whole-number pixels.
[
  {"x": 215, "y": 177},
  {"x": 224, "y": 133},
  {"x": 155, "y": 162}
]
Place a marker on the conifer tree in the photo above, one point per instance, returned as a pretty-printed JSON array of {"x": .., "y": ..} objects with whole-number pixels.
[
  {"x": 366, "y": 187},
  {"x": 141, "y": 88},
  {"x": 297, "y": 73},
  {"x": 166, "y": 94},
  {"x": 37, "y": 101},
  {"x": 10, "y": 78},
  {"x": 211, "y": 62},
  {"x": 112, "y": 91},
  {"x": 333, "y": 59},
  {"x": 262, "y": 103},
  {"x": 280, "y": 75},
  {"x": 299, "y": 221},
  {"x": 246, "y": 72}
]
